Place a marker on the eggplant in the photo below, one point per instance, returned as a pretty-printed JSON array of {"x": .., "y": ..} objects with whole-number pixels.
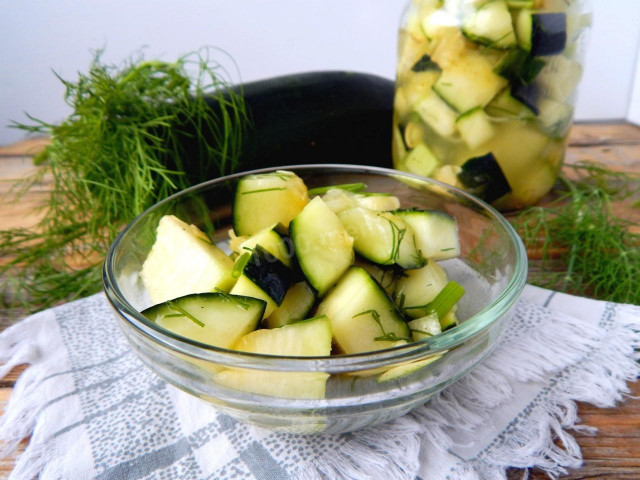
[{"x": 483, "y": 177}]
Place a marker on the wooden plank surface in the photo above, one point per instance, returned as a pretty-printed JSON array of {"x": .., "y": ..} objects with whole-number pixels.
[{"x": 614, "y": 453}]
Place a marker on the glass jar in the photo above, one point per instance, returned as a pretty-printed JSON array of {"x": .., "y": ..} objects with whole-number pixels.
[{"x": 485, "y": 93}]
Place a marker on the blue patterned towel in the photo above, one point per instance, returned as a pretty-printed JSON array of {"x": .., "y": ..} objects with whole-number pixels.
[{"x": 93, "y": 410}]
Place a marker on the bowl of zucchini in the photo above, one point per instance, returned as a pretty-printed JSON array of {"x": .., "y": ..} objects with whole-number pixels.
[{"x": 315, "y": 298}]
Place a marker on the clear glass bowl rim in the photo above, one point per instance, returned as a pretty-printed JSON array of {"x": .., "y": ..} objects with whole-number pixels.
[{"x": 339, "y": 363}]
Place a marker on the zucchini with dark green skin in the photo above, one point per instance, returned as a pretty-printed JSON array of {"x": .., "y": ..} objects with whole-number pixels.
[{"x": 315, "y": 117}]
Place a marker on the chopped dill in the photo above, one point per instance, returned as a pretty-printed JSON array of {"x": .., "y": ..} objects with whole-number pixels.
[{"x": 233, "y": 298}]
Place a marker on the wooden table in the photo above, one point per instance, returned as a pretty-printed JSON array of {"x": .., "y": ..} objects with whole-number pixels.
[{"x": 614, "y": 453}]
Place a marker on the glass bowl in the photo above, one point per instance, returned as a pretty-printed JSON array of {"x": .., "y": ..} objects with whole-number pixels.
[{"x": 362, "y": 389}]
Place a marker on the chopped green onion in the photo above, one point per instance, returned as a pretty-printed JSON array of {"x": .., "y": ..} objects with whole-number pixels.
[
  {"x": 349, "y": 187},
  {"x": 238, "y": 268}
]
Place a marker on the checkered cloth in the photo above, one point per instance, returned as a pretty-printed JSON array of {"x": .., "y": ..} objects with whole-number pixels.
[{"x": 93, "y": 410}]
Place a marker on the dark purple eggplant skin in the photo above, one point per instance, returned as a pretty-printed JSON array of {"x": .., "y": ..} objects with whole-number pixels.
[
  {"x": 268, "y": 273},
  {"x": 307, "y": 118},
  {"x": 549, "y": 33}
]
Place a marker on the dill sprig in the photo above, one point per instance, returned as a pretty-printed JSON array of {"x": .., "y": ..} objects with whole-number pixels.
[
  {"x": 134, "y": 133},
  {"x": 585, "y": 249}
]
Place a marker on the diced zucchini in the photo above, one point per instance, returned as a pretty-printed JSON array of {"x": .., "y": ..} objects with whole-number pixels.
[
  {"x": 218, "y": 319},
  {"x": 436, "y": 232},
  {"x": 475, "y": 127},
  {"x": 297, "y": 303},
  {"x": 418, "y": 84},
  {"x": 183, "y": 260},
  {"x": 266, "y": 199},
  {"x": 263, "y": 276},
  {"x": 555, "y": 117},
  {"x": 363, "y": 318},
  {"x": 439, "y": 24},
  {"x": 421, "y": 161},
  {"x": 270, "y": 240},
  {"x": 380, "y": 203},
  {"x": 308, "y": 338},
  {"x": 449, "y": 321},
  {"x": 490, "y": 25},
  {"x": 425, "y": 327},
  {"x": 413, "y": 133},
  {"x": 437, "y": 114},
  {"x": 323, "y": 247},
  {"x": 519, "y": 66},
  {"x": 541, "y": 33},
  {"x": 483, "y": 177},
  {"x": 448, "y": 174},
  {"x": 382, "y": 237},
  {"x": 504, "y": 105},
  {"x": 419, "y": 287},
  {"x": 469, "y": 84},
  {"x": 559, "y": 78}
]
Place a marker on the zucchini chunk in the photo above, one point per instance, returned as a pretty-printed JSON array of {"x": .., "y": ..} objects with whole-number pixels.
[
  {"x": 308, "y": 338},
  {"x": 519, "y": 66},
  {"x": 382, "y": 237},
  {"x": 490, "y": 25},
  {"x": 265, "y": 199},
  {"x": 425, "y": 327},
  {"x": 437, "y": 114},
  {"x": 338, "y": 200},
  {"x": 475, "y": 127},
  {"x": 504, "y": 105},
  {"x": 469, "y": 84},
  {"x": 407, "y": 369},
  {"x": 483, "y": 177},
  {"x": 418, "y": 288},
  {"x": 436, "y": 232},
  {"x": 421, "y": 160},
  {"x": 323, "y": 247},
  {"x": 218, "y": 319},
  {"x": 183, "y": 260},
  {"x": 297, "y": 303},
  {"x": 363, "y": 318},
  {"x": 263, "y": 276},
  {"x": 270, "y": 240}
]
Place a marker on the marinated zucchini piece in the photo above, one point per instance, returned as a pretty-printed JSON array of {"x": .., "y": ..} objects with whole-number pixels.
[
  {"x": 425, "y": 327},
  {"x": 382, "y": 237},
  {"x": 418, "y": 84},
  {"x": 363, "y": 318},
  {"x": 436, "y": 232},
  {"x": 469, "y": 84},
  {"x": 418, "y": 288},
  {"x": 504, "y": 105},
  {"x": 483, "y": 177},
  {"x": 386, "y": 277},
  {"x": 297, "y": 303},
  {"x": 183, "y": 260},
  {"x": 421, "y": 161},
  {"x": 414, "y": 133},
  {"x": 519, "y": 66},
  {"x": 270, "y": 240},
  {"x": 448, "y": 174},
  {"x": 437, "y": 114},
  {"x": 323, "y": 247},
  {"x": 263, "y": 276},
  {"x": 218, "y": 319},
  {"x": 338, "y": 200},
  {"x": 559, "y": 78},
  {"x": 490, "y": 25},
  {"x": 308, "y": 338},
  {"x": 555, "y": 117},
  {"x": 475, "y": 127},
  {"x": 266, "y": 199}
]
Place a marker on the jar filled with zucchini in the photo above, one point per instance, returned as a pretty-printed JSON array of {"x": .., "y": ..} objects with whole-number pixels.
[{"x": 485, "y": 93}]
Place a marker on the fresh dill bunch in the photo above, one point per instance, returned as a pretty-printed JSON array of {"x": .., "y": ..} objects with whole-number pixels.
[
  {"x": 585, "y": 248},
  {"x": 137, "y": 134}
]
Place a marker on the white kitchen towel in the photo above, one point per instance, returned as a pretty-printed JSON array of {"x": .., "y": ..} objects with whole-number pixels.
[{"x": 93, "y": 410}]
